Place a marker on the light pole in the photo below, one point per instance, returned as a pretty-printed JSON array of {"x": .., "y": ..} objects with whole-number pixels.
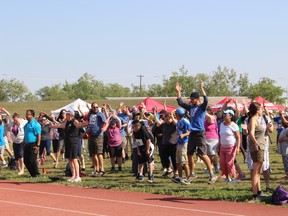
[{"x": 140, "y": 87}]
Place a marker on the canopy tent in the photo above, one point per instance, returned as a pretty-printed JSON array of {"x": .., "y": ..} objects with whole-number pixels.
[
  {"x": 231, "y": 103},
  {"x": 150, "y": 103},
  {"x": 269, "y": 105},
  {"x": 73, "y": 106}
]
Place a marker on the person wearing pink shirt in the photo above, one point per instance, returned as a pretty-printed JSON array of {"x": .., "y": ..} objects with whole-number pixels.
[
  {"x": 113, "y": 127},
  {"x": 212, "y": 138}
]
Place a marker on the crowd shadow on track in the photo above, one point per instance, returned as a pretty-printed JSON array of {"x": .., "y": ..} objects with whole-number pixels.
[{"x": 189, "y": 201}]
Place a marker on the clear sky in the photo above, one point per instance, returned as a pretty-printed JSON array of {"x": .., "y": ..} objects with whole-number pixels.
[{"x": 53, "y": 41}]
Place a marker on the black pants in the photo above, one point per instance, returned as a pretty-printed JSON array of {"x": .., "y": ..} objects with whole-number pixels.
[
  {"x": 169, "y": 151},
  {"x": 30, "y": 159}
]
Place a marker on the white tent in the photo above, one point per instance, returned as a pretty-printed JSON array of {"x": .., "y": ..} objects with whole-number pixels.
[{"x": 74, "y": 106}]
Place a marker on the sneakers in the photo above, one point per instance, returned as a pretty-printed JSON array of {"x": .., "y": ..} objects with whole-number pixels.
[
  {"x": 226, "y": 180},
  {"x": 139, "y": 177},
  {"x": 77, "y": 180},
  {"x": 234, "y": 181},
  {"x": 241, "y": 176},
  {"x": 206, "y": 171},
  {"x": 184, "y": 181},
  {"x": 119, "y": 168},
  {"x": 176, "y": 179},
  {"x": 166, "y": 174},
  {"x": 191, "y": 178},
  {"x": 255, "y": 199},
  {"x": 269, "y": 190},
  {"x": 261, "y": 194},
  {"x": 213, "y": 179},
  {"x": 150, "y": 178},
  {"x": 112, "y": 169},
  {"x": 180, "y": 180},
  {"x": 217, "y": 170}
]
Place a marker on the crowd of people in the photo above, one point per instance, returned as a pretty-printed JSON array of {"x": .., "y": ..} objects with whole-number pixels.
[{"x": 191, "y": 130}]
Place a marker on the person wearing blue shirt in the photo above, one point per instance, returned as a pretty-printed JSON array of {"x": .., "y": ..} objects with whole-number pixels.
[
  {"x": 32, "y": 138},
  {"x": 2, "y": 144},
  {"x": 183, "y": 130},
  {"x": 197, "y": 138},
  {"x": 96, "y": 121}
]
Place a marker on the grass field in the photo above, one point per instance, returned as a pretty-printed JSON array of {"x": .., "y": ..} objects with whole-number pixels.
[
  {"x": 124, "y": 180},
  {"x": 198, "y": 189}
]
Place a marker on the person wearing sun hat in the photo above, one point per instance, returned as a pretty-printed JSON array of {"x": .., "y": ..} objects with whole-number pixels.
[
  {"x": 229, "y": 145},
  {"x": 71, "y": 130},
  {"x": 197, "y": 138}
]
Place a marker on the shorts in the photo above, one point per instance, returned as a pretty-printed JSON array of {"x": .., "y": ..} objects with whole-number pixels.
[
  {"x": 2, "y": 149},
  {"x": 124, "y": 142},
  {"x": 95, "y": 145},
  {"x": 115, "y": 151},
  {"x": 45, "y": 144},
  {"x": 257, "y": 156},
  {"x": 266, "y": 161},
  {"x": 181, "y": 154},
  {"x": 7, "y": 143},
  {"x": 197, "y": 143},
  {"x": 18, "y": 149},
  {"x": 71, "y": 151},
  {"x": 143, "y": 157},
  {"x": 211, "y": 145}
]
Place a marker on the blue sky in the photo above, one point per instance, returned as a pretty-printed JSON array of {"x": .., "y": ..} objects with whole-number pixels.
[{"x": 50, "y": 42}]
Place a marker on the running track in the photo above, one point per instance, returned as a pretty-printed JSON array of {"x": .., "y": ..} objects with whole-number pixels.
[{"x": 18, "y": 198}]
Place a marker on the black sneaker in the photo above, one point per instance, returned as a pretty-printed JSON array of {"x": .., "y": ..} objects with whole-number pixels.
[
  {"x": 166, "y": 174},
  {"x": 139, "y": 177},
  {"x": 176, "y": 179},
  {"x": 112, "y": 169},
  {"x": 150, "y": 178},
  {"x": 119, "y": 168}
]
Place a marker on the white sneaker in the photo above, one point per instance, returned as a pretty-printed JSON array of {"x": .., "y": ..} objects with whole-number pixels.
[{"x": 76, "y": 180}]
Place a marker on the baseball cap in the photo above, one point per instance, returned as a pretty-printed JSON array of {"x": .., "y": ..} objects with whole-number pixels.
[
  {"x": 70, "y": 112},
  {"x": 229, "y": 111},
  {"x": 180, "y": 111},
  {"x": 195, "y": 95}
]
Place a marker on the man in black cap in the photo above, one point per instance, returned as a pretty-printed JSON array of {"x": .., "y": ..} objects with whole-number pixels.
[{"x": 197, "y": 111}]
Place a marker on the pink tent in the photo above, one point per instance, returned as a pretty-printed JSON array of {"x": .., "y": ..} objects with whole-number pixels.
[
  {"x": 150, "y": 103},
  {"x": 218, "y": 105},
  {"x": 269, "y": 105}
]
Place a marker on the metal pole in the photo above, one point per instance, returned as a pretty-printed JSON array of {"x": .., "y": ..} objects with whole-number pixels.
[{"x": 140, "y": 87}]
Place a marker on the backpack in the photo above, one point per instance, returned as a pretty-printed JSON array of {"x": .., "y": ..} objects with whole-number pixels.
[
  {"x": 12, "y": 163},
  {"x": 68, "y": 171},
  {"x": 279, "y": 196}
]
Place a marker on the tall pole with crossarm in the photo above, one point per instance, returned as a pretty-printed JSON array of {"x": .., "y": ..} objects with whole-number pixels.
[{"x": 140, "y": 87}]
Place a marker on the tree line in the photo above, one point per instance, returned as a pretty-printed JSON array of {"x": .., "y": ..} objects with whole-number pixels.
[{"x": 221, "y": 82}]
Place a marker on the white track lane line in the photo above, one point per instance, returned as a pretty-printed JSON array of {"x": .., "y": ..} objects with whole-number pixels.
[
  {"x": 49, "y": 208},
  {"x": 123, "y": 202}
]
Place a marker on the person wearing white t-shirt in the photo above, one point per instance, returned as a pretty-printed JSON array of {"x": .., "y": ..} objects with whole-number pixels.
[{"x": 229, "y": 146}]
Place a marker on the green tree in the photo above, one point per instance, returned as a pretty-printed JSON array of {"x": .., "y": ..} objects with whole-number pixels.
[
  {"x": 266, "y": 88},
  {"x": 12, "y": 90},
  {"x": 53, "y": 93},
  {"x": 116, "y": 90},
  {"x": 155, "y": 90},
  {"x": 243, "y": 85},
  {"x": 187, "y": 82},
  {"x": 87, "y": 87},
  {"x": 223, "y": 82}
]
